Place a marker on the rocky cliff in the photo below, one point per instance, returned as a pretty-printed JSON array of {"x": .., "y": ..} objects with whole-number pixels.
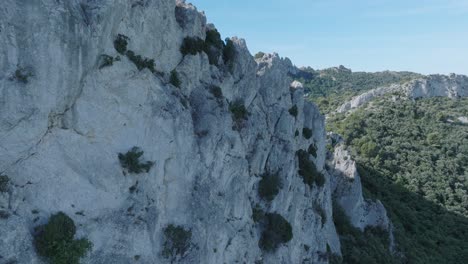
[{"x": 82, "y": 81}]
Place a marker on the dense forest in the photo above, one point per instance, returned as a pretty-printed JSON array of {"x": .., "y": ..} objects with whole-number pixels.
[
  {"x": 413, "y": 156},
  {"x": 329, "y": 88}
]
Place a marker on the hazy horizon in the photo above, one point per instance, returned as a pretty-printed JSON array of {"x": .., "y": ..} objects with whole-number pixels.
[{"x": 428, "y": 37}]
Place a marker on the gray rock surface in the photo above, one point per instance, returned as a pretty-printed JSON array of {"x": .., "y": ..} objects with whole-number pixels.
[{"x": 63, "y": 126}]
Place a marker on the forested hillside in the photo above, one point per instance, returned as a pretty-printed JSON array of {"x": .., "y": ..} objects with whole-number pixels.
[
  {"x": 413, "y": 156},
  {"x": 331, "y": 87}
]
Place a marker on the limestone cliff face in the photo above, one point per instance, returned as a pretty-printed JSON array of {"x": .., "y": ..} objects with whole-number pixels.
[
  {"x": 64, "y": 118},
  {"x": 452, "y": 86}
]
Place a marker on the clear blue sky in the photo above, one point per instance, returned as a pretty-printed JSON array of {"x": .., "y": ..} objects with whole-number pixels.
[{"x": 426, "y": 36}]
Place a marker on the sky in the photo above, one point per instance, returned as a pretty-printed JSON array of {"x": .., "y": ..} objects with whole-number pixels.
[{"x": 424, "y": 36}]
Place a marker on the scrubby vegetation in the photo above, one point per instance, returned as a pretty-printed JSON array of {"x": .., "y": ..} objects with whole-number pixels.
[
  {"x": 213, "y": 46},
  {"x": 131, "y": 161},
  {"x": 307, "y": 133},
  {"x": 276, "y": 231},
  {"x": 269, "y": 186},
  {"x": 239, "y": 113},
  {"x": 4, "y": 181},
  {"x": 329, "y": 88},
  {"x": 22, "y": 75},
  {"x": 107, "y": 61},
  {"x": 120, "y": 45},
  {"x": 55, "y": 241},
  {"x": 257, "y": 213},
  {"x": 308, "y": 170},
  {"x": 259, "y": 55},
  {"x": 229, "y": 53},
  {"x": 192, "y": 46},
  {"x": 174, "y": 79},
  {"x": 177, "y": 242},
  {"x": 413, "y": 156},
  {"x": 293, "y": 111},
  {"x": 216, "y": 91},
  {"x": 312, "y": 150}
]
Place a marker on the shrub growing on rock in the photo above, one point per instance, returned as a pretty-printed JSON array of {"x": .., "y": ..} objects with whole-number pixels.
[
  {"x": 259, "y": 55},
  {"x": 120, "y": 44},
  {"x": 312, "y": 150},
  {"x": 131, "y": 161},
  {"x": 21, "y": 75},
  {"x": 308, "y": 170},
  {"x": 229, "y": 52},
  {"x": 140, "y": 62},
  {"x": 293, "y": 111},
  {"x": 238, "y": 112},
  {"x": 307, "y": 133},
  {"x": 276, "y": 231},
  {"x": 216, "y": 91},
  {"x": 55, "y": 241},
  {"x": 107, "y": 61},
  {"x": 192, "y": 46},
  {"x": 177, "y": 241},
  {"x": 269, "y": 186},
  {"x": 174, "y": 79},
  {"x": 213, "y": 46},
  {"x": 257, "y": 213},
  {"x": 4, "y": 181}
]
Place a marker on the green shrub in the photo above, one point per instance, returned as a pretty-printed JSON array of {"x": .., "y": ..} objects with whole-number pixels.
[
  {"x": 276, "y": 231},
  {"x": 140, "y": 62},
  {"x": 131, "y": 161},
  {"x": 257, "y": 213},
  {"x": 229, "y": 53},
  {"x": 269, "y": 186},
  {"x": 177, "y": 241},
  {"x": 107, "y": 61},
  {"x": 238, "y": 112},
  {"x": 55, "y": 242},
  {"x": 120, "y": 44},
  {"x": 21, "y": 75},
  {"x": 307, "y": 133},
  {"x": 174, "y": 79},
  {"x": 259, "y": 55},
  {"x": 213, "y": 46},
  {"x": 312, "y": 150},
  {"x": 4, "y": 181},
  {"x": 296, "y": 134},
  {"x": 308, "y": 170},
  {"x": 192, "y": 46},
  {"x": 216, "y": 91},
  {"x": 293, "y": 111}
]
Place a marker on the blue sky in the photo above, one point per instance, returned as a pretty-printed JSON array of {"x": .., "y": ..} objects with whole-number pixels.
[{"x": 426, "y": 36}]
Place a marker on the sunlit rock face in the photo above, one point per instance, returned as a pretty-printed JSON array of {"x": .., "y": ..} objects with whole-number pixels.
[{"x": 64, "y": 117}]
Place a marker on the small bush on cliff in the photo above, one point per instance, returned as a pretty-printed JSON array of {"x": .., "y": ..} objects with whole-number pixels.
[
  {"x": 174, "y": 79},
  {"x": 293, "y": 111},
  {"x": 307, "y": 133},
  {"x": 276, "y": 231},
  {"x": 21, "y": 75},
  {"x": 259, "y": 55},
  {"x": 192, "y": 46},
  {"x": 269, "y": 186},
  {"x": 239, "y": 113},
  {"x": 177, "y": 242},
  {"x": 140, "y": 62},
  {"x": 312, "y": 150},
  {"x": 4, "y": 181},
  {"x": 54, "y": 241},
  {"x": 216, "y": 91},
  {"x": 131, "y": 161},
  {"x": 308, "y": 170},
  {"x": 213, "y": 46},
  {"x": 107, "y": 61},
  {"x": 120, "y": 44},
  {"x": 257, "y": 213}
]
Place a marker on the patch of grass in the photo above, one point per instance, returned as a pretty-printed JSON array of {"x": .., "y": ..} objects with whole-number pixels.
[
  {"x": 276, "y": 231},
  {"x": 307, "y": 133},
  {"x": 55, "y": 241},
  {"x": 308, "y": 170},
  {"x": 177, "y": 241},
  {"x": 293, "y": 111},
  {"x": 131, "y": 161},
  {"x": 4, "y": 182},
  {"x": 174, "y": 79},
  {"x": 269, "y": 186}
]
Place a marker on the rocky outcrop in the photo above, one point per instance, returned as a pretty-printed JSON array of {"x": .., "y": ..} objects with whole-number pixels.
[
  {"x": 70, "y": 103},
  {"x": 452, "y": 86}
]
